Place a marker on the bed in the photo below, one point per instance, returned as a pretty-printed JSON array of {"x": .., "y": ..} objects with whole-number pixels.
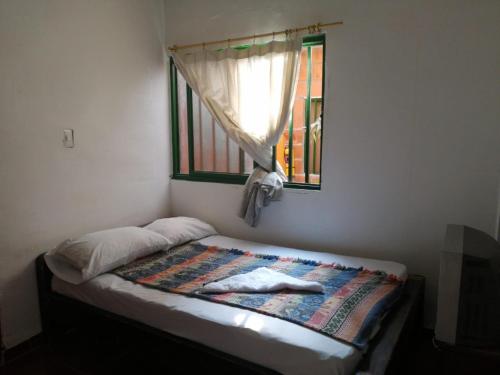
[{"x": 256, "y": 342}]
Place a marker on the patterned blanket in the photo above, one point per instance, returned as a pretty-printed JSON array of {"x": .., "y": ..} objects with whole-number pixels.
[{"x": 349, "y": 309}]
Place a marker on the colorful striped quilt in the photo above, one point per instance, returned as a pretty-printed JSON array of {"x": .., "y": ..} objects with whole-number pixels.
[{"x": 353, "y": 301}]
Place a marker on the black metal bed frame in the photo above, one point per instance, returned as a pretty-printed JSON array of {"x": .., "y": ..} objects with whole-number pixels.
[{"x": 386, "y": 353}]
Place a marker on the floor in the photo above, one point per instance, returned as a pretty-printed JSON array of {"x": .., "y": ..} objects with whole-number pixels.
[{"x": 114, "y": 352}]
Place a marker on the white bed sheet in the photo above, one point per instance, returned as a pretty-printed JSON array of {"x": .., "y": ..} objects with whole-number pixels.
[{"x": 274, "y": 343}]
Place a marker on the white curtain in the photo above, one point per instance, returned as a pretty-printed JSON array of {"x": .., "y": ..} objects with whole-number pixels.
[{"x": 248, "y": 91}]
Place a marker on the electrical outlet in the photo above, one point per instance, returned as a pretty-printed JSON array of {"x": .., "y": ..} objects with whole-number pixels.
[{"x": 68, "y": 138}]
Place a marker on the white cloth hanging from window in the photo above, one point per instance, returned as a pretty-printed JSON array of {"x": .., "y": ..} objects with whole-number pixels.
[
  {"x": 261, "y": 188},
  {"x": 248, "y": 91}
]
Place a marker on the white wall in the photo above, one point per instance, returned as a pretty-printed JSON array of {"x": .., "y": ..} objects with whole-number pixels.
[
  {"x": 412, "y": 126},
  {"x": 96, "y": 67}
]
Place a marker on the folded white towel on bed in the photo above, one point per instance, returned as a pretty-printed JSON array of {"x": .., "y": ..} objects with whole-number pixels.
[{"x": 260, "y": 280}]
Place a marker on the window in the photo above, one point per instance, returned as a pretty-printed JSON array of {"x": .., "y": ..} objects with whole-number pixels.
[{"x": 203, "y": 152}]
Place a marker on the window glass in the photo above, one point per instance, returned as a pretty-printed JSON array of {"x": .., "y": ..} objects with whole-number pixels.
[{"x": 215, "y": 155}]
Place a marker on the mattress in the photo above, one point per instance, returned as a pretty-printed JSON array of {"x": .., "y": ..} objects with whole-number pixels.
[{"x": 270, "y": 342}]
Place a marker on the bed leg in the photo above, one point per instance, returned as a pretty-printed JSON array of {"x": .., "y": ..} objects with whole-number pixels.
[{"x": 44, "y": 279}]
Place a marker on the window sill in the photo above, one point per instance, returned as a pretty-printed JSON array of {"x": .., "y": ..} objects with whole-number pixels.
[{"x": 223, "y": 178}]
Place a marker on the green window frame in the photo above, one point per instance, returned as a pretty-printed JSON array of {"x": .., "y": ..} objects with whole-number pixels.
[{"x": 240, "y": 178}]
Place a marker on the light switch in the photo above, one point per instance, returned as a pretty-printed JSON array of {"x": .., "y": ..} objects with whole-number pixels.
[{"x": 68, "y": 139}]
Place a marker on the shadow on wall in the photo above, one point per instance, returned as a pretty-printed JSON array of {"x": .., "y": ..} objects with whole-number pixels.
[{"x": 23, "y": 280}]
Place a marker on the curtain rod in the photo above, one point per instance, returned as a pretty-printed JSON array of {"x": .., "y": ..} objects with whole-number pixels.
[{"x": 315, "y": 28}]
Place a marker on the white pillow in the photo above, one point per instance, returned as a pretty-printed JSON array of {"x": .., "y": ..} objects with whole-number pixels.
[
  {"x": 76, "y": 261},
  {"x": 181, "y": 229}
]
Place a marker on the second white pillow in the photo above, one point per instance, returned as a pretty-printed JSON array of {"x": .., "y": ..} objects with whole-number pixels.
[{"x": 181, "y": 229}]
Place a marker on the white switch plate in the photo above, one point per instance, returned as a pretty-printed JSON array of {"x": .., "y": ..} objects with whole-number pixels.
[{"x": 68, "y": 139}]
